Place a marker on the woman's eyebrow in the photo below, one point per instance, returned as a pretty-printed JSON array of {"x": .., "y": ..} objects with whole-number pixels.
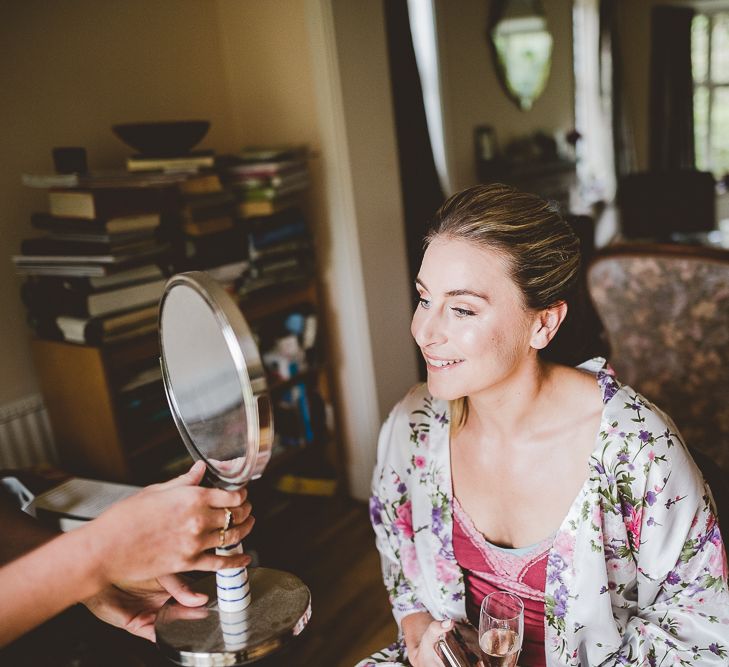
[
  {"x": 456, "y": 292},
  {"x": 466, "y": 292}
]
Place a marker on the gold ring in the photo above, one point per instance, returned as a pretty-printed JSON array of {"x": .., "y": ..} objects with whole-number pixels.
[
  {"x": 222, "y": 537},
  {"x": 228, "y": 518}
]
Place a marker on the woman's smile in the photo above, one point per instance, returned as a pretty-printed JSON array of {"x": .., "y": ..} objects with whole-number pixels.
[{"x": 441, "y": 364}]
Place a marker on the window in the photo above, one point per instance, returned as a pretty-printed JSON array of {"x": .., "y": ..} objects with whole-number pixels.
[{"x": 710, "y": 65}]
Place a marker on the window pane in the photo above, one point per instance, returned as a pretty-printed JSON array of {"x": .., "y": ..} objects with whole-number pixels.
[
  {"x": 699, "y": 46},
  {"x": 720, "y": 131},
  {"x": 701, "y": 126},
  {"x": 720, "y": 49}
]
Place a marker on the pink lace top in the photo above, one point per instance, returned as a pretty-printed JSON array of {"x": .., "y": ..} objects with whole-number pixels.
[{"x": 487, "y": 568}]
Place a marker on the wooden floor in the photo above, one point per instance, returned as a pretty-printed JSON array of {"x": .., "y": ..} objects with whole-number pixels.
[
  {"x": 330, "y": 545},
  {"x": 327, "y": 542}
]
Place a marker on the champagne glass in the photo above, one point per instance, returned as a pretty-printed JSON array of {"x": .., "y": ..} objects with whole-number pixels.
[{"x": 501, "y": 629}]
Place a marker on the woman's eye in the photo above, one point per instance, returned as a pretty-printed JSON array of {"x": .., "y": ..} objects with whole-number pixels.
[
  {"x": 423, "y": 302},
  {"x": 463, "y": 312}
]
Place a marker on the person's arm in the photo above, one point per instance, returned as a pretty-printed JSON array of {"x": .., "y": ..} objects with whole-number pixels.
[
  {"x": 163, "y": 529},
  {"x": 682, "y": 595},
  {"x": 130, "y": 606}
]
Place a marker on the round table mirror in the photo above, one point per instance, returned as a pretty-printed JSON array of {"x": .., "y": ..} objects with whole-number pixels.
[{"x": 216, "y": 387}]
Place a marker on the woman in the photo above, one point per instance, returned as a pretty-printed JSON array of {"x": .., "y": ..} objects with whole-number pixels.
[{"x": 510, "y": 472}]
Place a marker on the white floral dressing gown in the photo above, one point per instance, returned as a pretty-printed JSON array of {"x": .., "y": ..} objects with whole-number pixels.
[{"x": 637, "y": 573}]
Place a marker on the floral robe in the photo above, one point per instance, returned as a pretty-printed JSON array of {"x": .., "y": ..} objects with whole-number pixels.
[{"x": 637, "y": 573}]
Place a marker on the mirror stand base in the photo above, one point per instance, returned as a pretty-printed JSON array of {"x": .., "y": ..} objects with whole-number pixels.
[{"x": 280, "y": 609}]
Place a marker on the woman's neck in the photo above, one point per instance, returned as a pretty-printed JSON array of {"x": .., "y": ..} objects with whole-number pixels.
[{"x": 512, "y": 409}]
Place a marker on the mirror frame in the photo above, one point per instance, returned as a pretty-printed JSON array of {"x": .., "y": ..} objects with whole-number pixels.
[
  {"x": 251, "y": 374},
  {"x": 498, "y": 9}
]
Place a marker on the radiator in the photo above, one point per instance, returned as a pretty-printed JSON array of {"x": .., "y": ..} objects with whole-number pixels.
[{"x": 26, "y": 438}]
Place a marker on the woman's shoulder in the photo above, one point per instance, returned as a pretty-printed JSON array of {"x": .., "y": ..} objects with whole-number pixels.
[
  {"x": 630, "y": 424},
  {"x": 622, "y": 403},
  {"x": 637, "y": 428},
  {"x": 630, "y": 409}
]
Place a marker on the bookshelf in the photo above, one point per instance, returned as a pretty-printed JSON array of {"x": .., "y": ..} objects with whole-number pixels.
[{"x": 105, "y": 398}]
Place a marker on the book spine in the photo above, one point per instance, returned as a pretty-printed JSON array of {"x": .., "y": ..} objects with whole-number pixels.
[
  {"x": 272, "y": 192},
  {"x": 267, "y": 237}
]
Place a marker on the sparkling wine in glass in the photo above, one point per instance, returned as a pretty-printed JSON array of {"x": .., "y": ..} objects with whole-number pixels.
[{"x": 501, "y": 629}]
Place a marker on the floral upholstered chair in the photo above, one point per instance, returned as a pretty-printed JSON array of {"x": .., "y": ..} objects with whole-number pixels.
[{"x": 665, "y": 309}]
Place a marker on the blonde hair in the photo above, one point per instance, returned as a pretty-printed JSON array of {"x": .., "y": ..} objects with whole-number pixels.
[{"x": 542, "y": 251}]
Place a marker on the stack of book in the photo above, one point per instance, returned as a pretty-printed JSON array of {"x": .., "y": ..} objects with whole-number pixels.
[
  {"x": 268, "y": 180},
  {"x": 279, "y": 250},
  {"x": 97, "y": 273},
  {"x": 211, "y": 236},
  {"x": 189, "y": 162},
  {"x": 269, "y": 185}
]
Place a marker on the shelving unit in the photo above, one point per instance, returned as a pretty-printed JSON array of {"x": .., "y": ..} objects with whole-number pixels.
[
  {"x": 249, "y": 221},
  {"x": 81, "y": 388}
]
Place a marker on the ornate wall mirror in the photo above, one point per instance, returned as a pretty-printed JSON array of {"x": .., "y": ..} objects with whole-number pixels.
[{"x": 522, "y": 47}]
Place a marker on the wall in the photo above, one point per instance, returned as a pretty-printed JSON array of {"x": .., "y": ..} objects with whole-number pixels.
[
  {"x": 471, "y": 89},
  {"x": 69, "y": 71},
  {"x": 375, "y": 207}
]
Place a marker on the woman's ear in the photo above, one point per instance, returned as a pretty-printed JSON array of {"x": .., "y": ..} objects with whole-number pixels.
[{"x": 547, "y": 324}]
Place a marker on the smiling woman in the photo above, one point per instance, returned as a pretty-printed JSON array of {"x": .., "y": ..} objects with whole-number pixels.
[
  {"x": 520, "y": 250},
  {"x": 510, "y": 472}
]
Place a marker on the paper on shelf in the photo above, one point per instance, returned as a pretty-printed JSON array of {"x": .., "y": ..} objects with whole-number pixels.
[{"x": 81, "y": 498}]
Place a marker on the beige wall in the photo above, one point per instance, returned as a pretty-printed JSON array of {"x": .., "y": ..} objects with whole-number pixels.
[
  {"x": 472, "y": 92},
  {"x": 375, "y": 208},
  {"x": 377, "y": 195},
  {"x": 267, "y": 68},
  {"x": 69, "y": 71}
]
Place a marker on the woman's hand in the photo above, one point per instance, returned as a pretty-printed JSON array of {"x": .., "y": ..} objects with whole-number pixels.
[
  {"x": 168, "y": 528},
  {"x": 134, "y": 606},
  {"x": 421, "y": 634}
]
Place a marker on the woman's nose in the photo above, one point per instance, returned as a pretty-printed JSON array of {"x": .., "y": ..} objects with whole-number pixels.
[{"x": 427, "y": 327}]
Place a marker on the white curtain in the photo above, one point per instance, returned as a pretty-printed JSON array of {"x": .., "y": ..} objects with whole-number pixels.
[
  {"x": 425, "y": 44},
  {"x": 593, "y": 105}
]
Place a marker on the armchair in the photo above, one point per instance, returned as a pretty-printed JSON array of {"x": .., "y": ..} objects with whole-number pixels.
[{"x": 665, "y": 309}]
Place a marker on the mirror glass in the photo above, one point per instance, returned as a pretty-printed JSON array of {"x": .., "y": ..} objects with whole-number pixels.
[
  {"x": 522, "y": 47},
  {"x": 214, "y": 379}
]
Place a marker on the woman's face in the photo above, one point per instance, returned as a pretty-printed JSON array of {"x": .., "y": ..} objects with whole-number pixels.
[{"x": 470, "y": 322}]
